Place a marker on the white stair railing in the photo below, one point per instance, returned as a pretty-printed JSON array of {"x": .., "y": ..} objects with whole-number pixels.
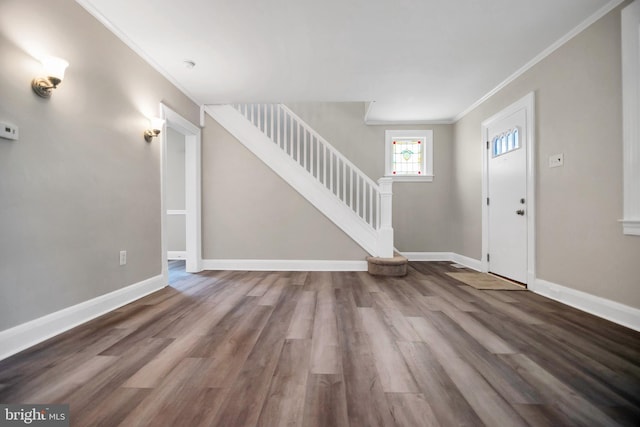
[{"x": 327, "y": 166}]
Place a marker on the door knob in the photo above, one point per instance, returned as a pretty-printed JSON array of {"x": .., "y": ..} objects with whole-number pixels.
[{"x": 520, "y": 212}]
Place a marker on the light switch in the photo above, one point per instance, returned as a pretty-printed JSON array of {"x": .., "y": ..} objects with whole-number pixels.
[
  {"x": 556, "y": 160},
  {"x": 8, "y": 131}
]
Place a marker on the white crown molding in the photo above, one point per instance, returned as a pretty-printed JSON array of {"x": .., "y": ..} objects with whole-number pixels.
[
  {"x": 407, "y": 122},
  {"x": 601, "y": 307},
  {"x": 369, "y": 107},
  {"x": 28, "y": 334},
  {"x": 542, "y": 55},
  {"x": 282, "y": 265},
  {"x": 86, "y": 4}
]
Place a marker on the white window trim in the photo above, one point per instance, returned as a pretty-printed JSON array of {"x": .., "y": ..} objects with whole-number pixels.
[
  {"x": 427, "y": 154},
  {"x": 631, "y": 112}
]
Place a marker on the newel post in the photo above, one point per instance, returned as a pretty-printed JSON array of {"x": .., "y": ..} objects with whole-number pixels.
[{"x": 385, "y": 231}]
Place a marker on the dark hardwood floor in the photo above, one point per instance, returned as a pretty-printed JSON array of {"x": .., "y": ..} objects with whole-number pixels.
[{"x": 335, "y": 349}]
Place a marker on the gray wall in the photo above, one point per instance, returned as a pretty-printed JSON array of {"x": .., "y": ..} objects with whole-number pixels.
[
  {"x": 81, "y": 184},
  {"x": 249, "y": 212},
  {"x": 421, "y": 211},
  {"x": 578, "y": 112}
]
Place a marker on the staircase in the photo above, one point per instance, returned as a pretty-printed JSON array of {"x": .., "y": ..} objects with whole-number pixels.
[{"x": 313, "y": 167}]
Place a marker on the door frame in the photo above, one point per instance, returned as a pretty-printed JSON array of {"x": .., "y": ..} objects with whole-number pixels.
[
  {"x": 193, "y": 147},
  {"x": 528, "y": 103}
]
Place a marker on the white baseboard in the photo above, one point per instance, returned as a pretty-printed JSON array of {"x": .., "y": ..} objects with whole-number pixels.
[
  {"x": 474, "y": 264},
  {"x": 174, "y": 255},
  {"x": 427, "y": 256},
  {"x": 601, "y": 307},
  {"x": 471, "y": 263},
  {"x": 282, "y": 265},
  {"x": 28, "y": 334}
]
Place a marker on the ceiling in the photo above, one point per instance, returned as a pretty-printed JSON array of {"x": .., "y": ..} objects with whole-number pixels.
[{"x": 418, "y": 60}]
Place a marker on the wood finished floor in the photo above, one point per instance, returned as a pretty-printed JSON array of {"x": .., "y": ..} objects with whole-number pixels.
[{"x": 335, "y": 349}]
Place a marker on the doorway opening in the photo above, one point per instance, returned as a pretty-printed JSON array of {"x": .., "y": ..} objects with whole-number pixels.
[{"x": 181, "y": 222}]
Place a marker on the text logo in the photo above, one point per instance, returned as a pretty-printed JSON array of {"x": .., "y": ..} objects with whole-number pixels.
[{"x": 34, "y": 415}]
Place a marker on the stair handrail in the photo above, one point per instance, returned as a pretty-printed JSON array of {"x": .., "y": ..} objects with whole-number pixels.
[
  {"x": 248, "y": 111},
  {"x": 331, "y": 148}
]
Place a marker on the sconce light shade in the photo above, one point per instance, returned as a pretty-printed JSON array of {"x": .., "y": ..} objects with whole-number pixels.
[
  {"x": 54, "y": 73},
  {"x": 155, "y": 124}
]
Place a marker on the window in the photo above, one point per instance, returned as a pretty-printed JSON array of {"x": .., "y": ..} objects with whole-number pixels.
[
  {"x": 409, "y": 155},
  {"x": 505, "y": 142}
]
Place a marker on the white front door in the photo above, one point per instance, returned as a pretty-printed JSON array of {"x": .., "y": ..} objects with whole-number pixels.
[{"x": 507, "y": 194}]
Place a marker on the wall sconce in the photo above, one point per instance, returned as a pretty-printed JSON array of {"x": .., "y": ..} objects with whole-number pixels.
[
  {"x": 54, "y": 72},
  {"x": 156, "y": 124}
]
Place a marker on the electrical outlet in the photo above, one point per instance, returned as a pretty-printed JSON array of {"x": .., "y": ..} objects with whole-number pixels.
[
  {"x": 556, "y": 160},
  {"x": 123, "y": 257},
  {"x": 8, "y": 131}
]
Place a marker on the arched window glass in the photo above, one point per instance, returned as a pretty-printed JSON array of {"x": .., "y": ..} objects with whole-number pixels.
[{"x": 505, "y": 142}]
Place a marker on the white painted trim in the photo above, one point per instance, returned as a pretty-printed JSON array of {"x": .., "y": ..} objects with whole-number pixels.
[
  {"x": 631, "y": 227},
  {"x": 427, "y": 256},
  {"x": 86, "y": 4},
  {"x": 176, "y": 212},
  {"x": 528, "y": 103},
  {"x": 173, "y": 255},
  {"x": 630, "y": 23},
  {"x": 203, "y": 120},
  {"x": 471, "y": 263},
  {"x": 601, "y": 307},
  {"x": 542, "y": 55},
  {"x": 408, "y": 122},
  {"x": 369, "y": 106},
  {"x": 35, "y": 331},
  {"x": 282, "y": 265},
  {"x": 421, "y": 178},
  {"x": 193, "y": 147}
]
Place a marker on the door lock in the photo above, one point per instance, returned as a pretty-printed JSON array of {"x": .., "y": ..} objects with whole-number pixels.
[{"x": 520, "y": 212}]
